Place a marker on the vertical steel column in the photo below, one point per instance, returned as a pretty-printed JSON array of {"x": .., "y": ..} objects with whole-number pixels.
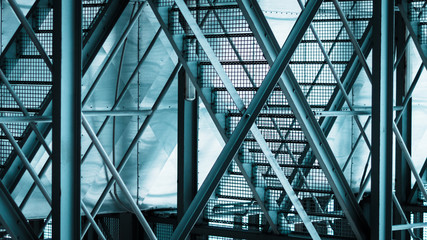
[
  {"x": 187, "y": 143},
  {"x": 382, "y": 119},
  {"x": 402, "y": 171},
  {"x": 67, "y": 47}
]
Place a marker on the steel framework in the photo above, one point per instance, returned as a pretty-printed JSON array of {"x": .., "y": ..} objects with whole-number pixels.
[{"x": 99, "y": 99}]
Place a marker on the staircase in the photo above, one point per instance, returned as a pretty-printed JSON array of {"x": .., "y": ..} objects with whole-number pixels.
[{"x": 234, "y": 204}]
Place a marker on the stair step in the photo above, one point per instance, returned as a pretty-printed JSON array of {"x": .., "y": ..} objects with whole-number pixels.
[
  {"x": 274, "y": 140},
  {"x": 31, "y": 70},
  {"x": 33, "y": 83},
  {"x": 289, "y": 165},
  {"x": 17, "y": 110}
]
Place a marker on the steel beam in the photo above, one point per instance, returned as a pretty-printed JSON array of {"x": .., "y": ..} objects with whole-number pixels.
[
  {"x": 187, "y": 143},
  {"x": 24, "y": 110},
  {"x": 405, "y": 152},
  {"x": 401, "y": 227},
  {"x": 283, "y": 138},
  {"x": 402, "y": 171},
  {"x": 308, "y": 123},
  {"x": 12, "y": 218},
  {"x": 217, "y": 124},
  {"x": 67, "y": 47},
  {"x": 246, "y": 122},
  {"x": 412, "y": 197},
  {"x": 17, "y": 30},
  {"x": 382, "y": 120},
  {"x": 117, "y": 113},
  {"x": 32, "y": 119},
  {"x": 92, "y": 220}
]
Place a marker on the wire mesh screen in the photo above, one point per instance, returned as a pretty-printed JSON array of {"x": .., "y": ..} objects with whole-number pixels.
[
  {"x": 417, "y": 14},
  {"x": 163, "y": 231}
]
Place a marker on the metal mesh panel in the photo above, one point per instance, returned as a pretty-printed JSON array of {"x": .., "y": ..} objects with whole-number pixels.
[
  {"x": 230, "y": 15},
  {"x": 27, "y": 49},
  {"x": 43, "y": 20},
  {"x": 27, "y": 71},
  {"x": 418, "y": 15},
  {"x": 163, "y": 231},
  {"x": 110, "y": 227},
  {"x": 48, "y": 231}
]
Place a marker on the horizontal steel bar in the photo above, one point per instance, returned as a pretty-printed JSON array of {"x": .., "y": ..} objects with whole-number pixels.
[
  {"x": 96, "y": 113},
  {"x": 401, "y": 227},
  {"x": 345, "y": 112},
  {"x": 26, "y": 119}
]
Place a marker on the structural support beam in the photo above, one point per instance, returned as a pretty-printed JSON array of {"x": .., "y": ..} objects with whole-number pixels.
[
  {"x": 67, "y": 47},
  {"x": 12, "y": 218},
  {"x": 187, "y": 142},
  {"x": 117, "y": 113},
  {"x": 246, "y": 122},
  {"x": 32, "y": 119},
  {"x": 402, "y": 171},
  {"x": 382, "y": 120}
]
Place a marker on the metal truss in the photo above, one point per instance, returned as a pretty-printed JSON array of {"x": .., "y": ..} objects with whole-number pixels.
[{"x": 379, "y": 176}]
